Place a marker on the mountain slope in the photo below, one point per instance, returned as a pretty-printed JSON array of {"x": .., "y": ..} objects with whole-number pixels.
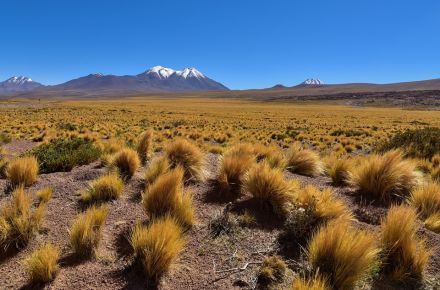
[
  {"x": 18, "y": 84},
  {"x": 155, "y": 79}
]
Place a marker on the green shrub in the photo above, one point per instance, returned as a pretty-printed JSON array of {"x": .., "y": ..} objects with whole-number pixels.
[
  {"x": 64, "y": 154},
  {"x": 421, "y": 143}
]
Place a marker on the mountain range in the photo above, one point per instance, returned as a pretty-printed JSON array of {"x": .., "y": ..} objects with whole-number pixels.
[{"x": 155, "y": 79}]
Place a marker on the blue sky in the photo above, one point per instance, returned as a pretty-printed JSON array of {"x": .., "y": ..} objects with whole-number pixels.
[{"x": 241, "y": 43}]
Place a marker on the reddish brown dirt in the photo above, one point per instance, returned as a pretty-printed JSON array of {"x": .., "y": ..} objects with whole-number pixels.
[{"x": 206, "y": 263}]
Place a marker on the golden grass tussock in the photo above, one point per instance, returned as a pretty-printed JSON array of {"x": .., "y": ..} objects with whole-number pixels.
[
  {"x": 44, "y": 194},
  {"x": 157, "y": 167},
  {"x": 315, "y": 283},
  {"x": 341, "y": 254},
  {"x": 185, "y": 154},
  {"x": 303, "y": 161},
  {"x": 145, "y": 146},
  {"x": 22, "y": 171},
  {"x": 270, "y": 188},
  {"x": 86, "y": 231},
  {"x": 18, "y": 221},
  {"x": 387, "y": 176},
  {"x": 126, "y": 161},
  {"x": 426, "y": 199},
  {"x": 405, "y": 256},
  {"x": 166, "y": 196},
  {"x": 432, "y": 222},
  {"x": 272, "y": 270},
  {"x": 42, "y": 265},
  {"x": 338, "y": 169},
  {"x": 325, "y": 204},
  {"x": 231, "y": 173},
  {"x": 157, "y": 245},
  {"x": 107, "y": 187}
]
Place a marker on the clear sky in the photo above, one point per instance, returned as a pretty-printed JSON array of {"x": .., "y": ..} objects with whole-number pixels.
[{"x": 241, "y": 43}]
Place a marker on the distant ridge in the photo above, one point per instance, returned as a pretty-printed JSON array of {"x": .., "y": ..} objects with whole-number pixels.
[{"x": 155, "y": 79}]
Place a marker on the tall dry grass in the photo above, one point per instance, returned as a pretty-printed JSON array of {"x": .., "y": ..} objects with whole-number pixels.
[{"x": 22, "y": 171}]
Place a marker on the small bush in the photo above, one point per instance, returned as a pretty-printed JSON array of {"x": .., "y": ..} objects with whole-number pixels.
[
  {"x": 432, "y": 222},
  {"x": 86, "y": 231},
  {"x": 232, "y": 170},
  {"x": 22, "y": 171},
  {"x": 223, "y": 223},
  {"x": 189, "y": 157},
  {"x": 166, "y": 196},
  {"x": 44, "y": 194},
  {"x": 404, "y": 255},
  {"x": 269, "y": 187},
  {"x": 385, "y": 177},
  {"x": 421, "y": 143},
  {"x": 157, "y": 167},
  {"x": 303, "y": 161},
  {"x": 426, "y": 199},
  {"x": 272, "y": 270},
  {"x": 42, "y": 265},
  {"x": 157, "y": 246},
  {"x": 64, "y": 154},
  {"x": 145, "y": 146},
  {"x": 127, "y": 162},
  {"x": 18, "y": 222},
  {"x": 106, "y": 187},
  {"x": 341, "y": 254},
  {"x": 316, "y": 283}
]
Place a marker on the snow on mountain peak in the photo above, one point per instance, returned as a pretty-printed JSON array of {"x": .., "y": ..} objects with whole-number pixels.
[
  {"x": 313, "y": 82},
  {"x": 190, "y": 73},
  {"x": 160, "y": 71},
  {"x": 20, "y": 80},
  {"x": 164, "y": 72}
]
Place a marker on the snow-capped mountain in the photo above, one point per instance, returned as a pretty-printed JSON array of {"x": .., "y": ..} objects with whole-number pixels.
[
  {"x": 312, "y": 82},
  {"x": 18, "y": 84},
  {"x": 155, "y": 79}
]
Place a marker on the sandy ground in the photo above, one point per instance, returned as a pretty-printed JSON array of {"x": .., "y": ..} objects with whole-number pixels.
[{"x": 207, "y": 262}]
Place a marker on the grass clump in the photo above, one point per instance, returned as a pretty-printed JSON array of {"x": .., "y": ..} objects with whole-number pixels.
[
  {"x": 42, "y": 265},
  {"x": 22, "y": 171},
  {"x": 303, "y": 161},
  {"x": 145, "y": 146},
  {"x": 18, "y": 221},
  {"x": 44, "y": 194},
  {"x": 157, "y": 167},
  {"x": 432, "y": 222},
  {"x": 86, "y": 231},
  {"x": 126, "y": 161},
  {"x": 269, "y": 187},
  {"x": 338, "y": 169},
  {"x": 232, "y": 170},
  {"x": 426, "y": 199},
  {"x": 157, "y": 246},
  {"x": 405, "y": 256},
  {"x": 272, "y": 270},
  {"x": 64, "y": 154},
  {"x": 342, "y": 255},
  {"x": 385, "y": 177},
  {"x": 420, "y": 143},
  {"x": 106, "y": 187},
  {"x": 183, "y": 153},
  {"x": 166, "y": 196},
  {"x": 313, "y": 208}
]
